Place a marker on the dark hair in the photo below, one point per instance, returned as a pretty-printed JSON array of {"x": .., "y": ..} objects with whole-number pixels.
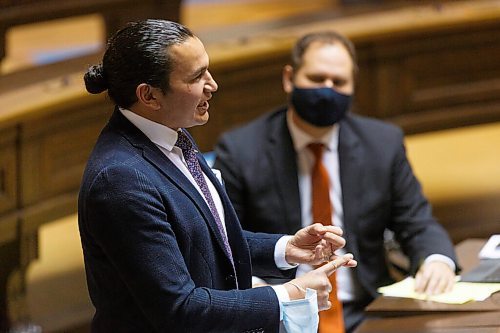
[
  {"x": 325, "y": 37},
  {"x": 136, "y": 54}
]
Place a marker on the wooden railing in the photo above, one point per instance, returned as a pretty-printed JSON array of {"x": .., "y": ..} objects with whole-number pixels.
[{"x": 114, "y": 12}]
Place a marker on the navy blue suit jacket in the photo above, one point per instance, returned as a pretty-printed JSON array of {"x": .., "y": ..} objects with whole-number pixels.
[
  {"x": 153, "y": 255},
  {"x": 379, "y": 190}
]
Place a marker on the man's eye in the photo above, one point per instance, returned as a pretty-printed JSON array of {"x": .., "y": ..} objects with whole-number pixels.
[
  {"x": 339, "y": 83},
  {"x": 317, "y": 79},
  {"x": 198, "y": 77}
]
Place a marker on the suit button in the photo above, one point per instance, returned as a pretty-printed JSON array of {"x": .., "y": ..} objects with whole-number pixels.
[{"x": 230, "y": 277}]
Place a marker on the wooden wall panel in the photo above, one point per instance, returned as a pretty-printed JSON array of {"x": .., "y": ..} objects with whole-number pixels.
[
  {"x": 54, "y": 151},
  {"x": 476, "y": 217},
  {"x": 432, "y": 81},
  {"x": 8, "y": 170},
  {"x": 422, "y": 80}
]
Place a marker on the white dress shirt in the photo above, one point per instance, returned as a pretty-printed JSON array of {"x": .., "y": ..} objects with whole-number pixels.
[{"x": 346, "y": 284}]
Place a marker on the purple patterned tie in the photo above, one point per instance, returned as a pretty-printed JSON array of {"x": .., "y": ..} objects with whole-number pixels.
[{"x": 184, "y": 143}]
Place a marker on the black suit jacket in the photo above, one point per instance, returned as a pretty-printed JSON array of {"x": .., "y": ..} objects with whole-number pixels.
[
  {"x": 153, "y": 254},
  {"x": 379, "y": 190}
]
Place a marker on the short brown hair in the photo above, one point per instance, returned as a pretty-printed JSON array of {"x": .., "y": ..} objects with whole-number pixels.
[{"x": 325, "y": 37}]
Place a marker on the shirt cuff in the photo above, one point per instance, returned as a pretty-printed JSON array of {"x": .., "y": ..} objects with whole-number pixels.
[
  {"x": 439, "y": 257},
  {"x": 257, "y": 281},
  {"x": 282, "y": 295},
  {"x": 279, "y": 254}
]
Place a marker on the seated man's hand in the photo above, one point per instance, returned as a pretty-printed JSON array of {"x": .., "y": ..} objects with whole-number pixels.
[
  {"x": 314, "y": 245},
  {"x": 434, "y": 278}
]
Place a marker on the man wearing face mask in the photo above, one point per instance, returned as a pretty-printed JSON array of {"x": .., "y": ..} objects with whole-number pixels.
[{"x": 276, "y": 167}]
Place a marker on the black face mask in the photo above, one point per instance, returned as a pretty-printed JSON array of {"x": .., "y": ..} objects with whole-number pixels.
[{"x": 320, "y": 107}]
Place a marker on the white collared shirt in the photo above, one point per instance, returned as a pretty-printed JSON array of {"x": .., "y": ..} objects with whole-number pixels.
[
  {"x": 346, "y": 284},
  {"x": 165, "y": 138}
]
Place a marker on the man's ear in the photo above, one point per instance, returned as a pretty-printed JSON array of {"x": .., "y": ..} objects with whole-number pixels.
[
  {"x": 287, "y": 79},
  {"x": 146, "y": 95}
]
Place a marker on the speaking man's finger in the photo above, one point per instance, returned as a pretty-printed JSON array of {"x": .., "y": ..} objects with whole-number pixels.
[
  {"x": 320, "y": 229},
  {"x": 333, "y": 265},
  {"x": 336, "y": 241}
]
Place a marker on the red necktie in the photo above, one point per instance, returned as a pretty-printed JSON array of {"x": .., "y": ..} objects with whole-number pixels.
[{"x": 330, "y": 321}]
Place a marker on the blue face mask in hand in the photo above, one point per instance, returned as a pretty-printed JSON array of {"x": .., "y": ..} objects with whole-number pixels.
[
  {"x": 320, "y": 106},
  {"x": 301, "y": 315}
]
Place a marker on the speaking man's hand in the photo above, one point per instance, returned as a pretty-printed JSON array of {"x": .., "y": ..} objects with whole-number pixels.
[
  {"x": 318, "y": 280},
  {"x": 314, "y": 245}
]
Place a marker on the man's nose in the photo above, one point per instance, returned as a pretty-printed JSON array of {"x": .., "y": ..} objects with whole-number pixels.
[
  {"x": 329, "y": 84},
  {"x": 211, "y": 83}
]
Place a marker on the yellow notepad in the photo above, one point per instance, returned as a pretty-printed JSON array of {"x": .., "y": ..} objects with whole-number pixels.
[{"x": 462, "y": 292}]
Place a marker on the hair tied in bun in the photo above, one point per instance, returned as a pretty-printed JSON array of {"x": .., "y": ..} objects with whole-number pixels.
[{"x": 95, "y": 80}]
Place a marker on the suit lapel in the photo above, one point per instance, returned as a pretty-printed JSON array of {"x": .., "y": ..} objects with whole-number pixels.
[
  {"x": 282, "y": 155},
  {"x": 233, "y": 228},
  {"x": 182, "y": 182},
  {"x": 154, "y": 156},
  {"x": 351, "y": 173}
]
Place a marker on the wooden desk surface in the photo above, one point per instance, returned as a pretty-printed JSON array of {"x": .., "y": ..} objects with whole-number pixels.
[
  {"x": 488, "y": 322},
  {"x": 391, "y": 314}
]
